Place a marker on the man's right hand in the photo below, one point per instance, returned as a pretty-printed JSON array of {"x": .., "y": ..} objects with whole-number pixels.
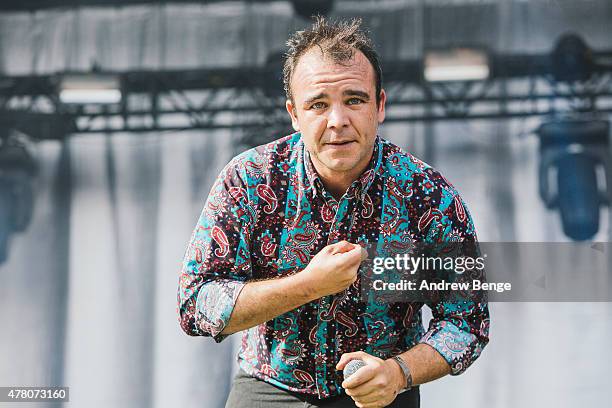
[
  {"x": 330, "y": 271},
  {"x": 334, "y": 268}
]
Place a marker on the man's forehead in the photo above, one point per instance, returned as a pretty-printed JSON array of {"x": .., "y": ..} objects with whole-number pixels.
[{"x": 314, "y": 63}]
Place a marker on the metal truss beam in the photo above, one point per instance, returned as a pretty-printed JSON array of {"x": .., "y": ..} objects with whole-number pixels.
[
  {"x": 33, "y": 5},
  {"x": 252, "y": 98}
]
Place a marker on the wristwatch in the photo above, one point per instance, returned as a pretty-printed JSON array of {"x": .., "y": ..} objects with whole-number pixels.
[{"x": 406, "y": 371}]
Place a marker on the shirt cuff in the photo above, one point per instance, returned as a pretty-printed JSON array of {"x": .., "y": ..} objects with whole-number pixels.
[
  {"x": 458, "y": 347},
  {"x": 216, "y": 301}
]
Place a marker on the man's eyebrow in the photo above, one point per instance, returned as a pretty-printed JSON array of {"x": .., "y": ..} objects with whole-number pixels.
[
  {"x": 315, "y": 97},
  {"x": 354, "y": 92}
]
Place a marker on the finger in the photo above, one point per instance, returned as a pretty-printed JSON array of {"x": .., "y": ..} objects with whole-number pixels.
[
  {"x": 364, "y": 254},
  {"x": 361, "y": 376},
  {"x": 366, "y": 392},
  {"x": 375, "y": 404},
  {"x": 355, "y": 254},
  {"x": 346, "y": 357},
  {"x": 341, "y": 247}
]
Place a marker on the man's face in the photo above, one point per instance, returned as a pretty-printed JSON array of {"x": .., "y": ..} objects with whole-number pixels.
[{"x": 334, "y": 107}]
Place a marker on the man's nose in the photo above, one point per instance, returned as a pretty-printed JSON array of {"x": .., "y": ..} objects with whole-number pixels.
[{"x": 338, "y": 117}]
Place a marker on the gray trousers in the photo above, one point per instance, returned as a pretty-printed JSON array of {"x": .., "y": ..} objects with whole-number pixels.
[{"x": 250, "y": 392}]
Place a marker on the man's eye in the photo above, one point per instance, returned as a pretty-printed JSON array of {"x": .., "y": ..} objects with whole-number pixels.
[
  {"x": 354, "y": 101},
  {"x": 318, "y": 105}
]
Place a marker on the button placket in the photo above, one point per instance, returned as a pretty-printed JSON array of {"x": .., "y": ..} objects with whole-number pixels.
[
  {"x": 337, "y": 232},
  {"x": 325, "y": 352}
]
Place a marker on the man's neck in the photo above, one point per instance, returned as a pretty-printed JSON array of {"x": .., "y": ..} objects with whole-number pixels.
[{"x": 336, "y": 183}]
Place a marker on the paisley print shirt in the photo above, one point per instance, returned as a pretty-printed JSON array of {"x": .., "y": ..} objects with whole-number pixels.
[{"x": 268, "y": 214}]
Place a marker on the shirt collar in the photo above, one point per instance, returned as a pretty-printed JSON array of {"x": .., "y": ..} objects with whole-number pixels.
[{"x": 359, "y": 186}]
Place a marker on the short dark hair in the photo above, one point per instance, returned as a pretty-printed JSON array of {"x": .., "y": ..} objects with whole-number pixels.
[{"x": 337, "y": 40}]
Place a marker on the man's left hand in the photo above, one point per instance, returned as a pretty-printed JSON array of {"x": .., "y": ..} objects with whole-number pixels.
[{"x": 374, "y": 385}]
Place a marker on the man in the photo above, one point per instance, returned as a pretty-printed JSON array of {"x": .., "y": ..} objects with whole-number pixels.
[{"x": 278, "y": 246}]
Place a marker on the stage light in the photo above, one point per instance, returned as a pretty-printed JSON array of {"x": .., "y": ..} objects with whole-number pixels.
[
  {"x": 573, "y": 173},
  {"x": 17, "y": 169},
  {"x": 309, "y": 8},
  {"x": 273, "y": 75},
  {"x": 90, "y": 88},
  {"x": 458, "y": 64},
  {"x": 571, "y": 59}
]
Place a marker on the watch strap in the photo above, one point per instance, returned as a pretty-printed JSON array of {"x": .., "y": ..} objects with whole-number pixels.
[{"x": 406, "y": 371}]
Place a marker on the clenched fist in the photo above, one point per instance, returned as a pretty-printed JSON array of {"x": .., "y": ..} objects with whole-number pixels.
[
  {"x": 375, "y": 385},
  {"x": 334, "y": 268}
]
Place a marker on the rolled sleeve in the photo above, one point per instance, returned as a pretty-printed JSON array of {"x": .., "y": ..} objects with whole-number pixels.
[
  {"x": 459, "y": 331},
  {"x": 216, "y": 300},
  {"x": 217, "y": 261}
]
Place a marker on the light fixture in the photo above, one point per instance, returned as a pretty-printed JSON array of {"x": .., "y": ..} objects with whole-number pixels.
[
  {"x": 573, "y": 172},
  {"x": 17, "y": 169},
  {"x": 571, "y": 59},
  {"x": 272, "y": 78},
  {"x": 457, "y": 64},
  {"x": 310, "y": 8},
  {"x": 93, "y": 88}
]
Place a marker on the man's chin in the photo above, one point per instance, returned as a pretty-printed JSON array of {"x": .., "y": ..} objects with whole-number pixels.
[{"x": 341, "y": 165}]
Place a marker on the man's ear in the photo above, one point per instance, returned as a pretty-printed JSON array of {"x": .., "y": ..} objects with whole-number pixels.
[
  {"x": 293, "y": 114},
  {"x": 381, "y": 106}
]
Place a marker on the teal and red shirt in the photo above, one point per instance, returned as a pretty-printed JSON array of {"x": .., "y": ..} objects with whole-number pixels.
[{"x": 268, "y": 214}]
